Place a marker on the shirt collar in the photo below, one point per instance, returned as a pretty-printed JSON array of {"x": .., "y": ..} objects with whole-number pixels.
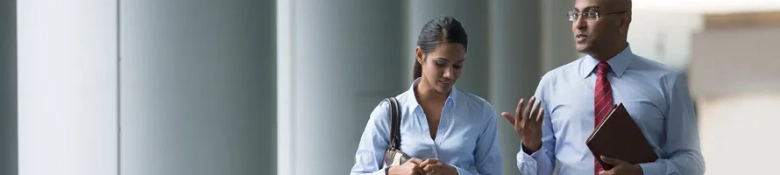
[
  {"x": 619, "y": 63},
  {"x": 412, "y": 103}
]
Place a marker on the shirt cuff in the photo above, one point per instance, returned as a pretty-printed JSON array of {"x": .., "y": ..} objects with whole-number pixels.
[
  {"x": 656, "y": 167},
  {"x": 523, "y": 159},
  {"x": 525, "y": 150},
  {"x": 534, "y": 155}
]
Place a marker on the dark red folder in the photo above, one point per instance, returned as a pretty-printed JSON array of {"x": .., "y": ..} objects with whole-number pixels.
[{"x": 619, "y": 137}]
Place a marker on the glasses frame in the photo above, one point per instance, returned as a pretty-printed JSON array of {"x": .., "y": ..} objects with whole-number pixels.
[{"x": 589, "y": 16}]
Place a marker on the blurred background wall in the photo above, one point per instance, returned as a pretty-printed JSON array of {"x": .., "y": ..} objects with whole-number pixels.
[
  {"x": 9, "y": 160},
  {"x": 197, "y": 92},
  {"x": 285, "y": 87},
  {"x": 337, "y": 60},
  {"x": 735, "y": 77},
  {"x": 67, "y": 87}
]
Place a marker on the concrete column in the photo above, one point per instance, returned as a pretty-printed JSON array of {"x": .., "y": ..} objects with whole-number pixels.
[
  {"x": 474, "y": 17},
  {"x": 337, "y": 61},
  {"x": 198, "y": 87},
  {"x": 67, "y": 87},
  {"x": 514, "y": 66},
  {"x": 8, "y": 88},
  {"x": 557, "y": 38}
]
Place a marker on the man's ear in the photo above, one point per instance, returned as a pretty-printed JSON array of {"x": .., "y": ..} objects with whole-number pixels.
[
  {"x": 419, "y": 55},
  {"x": 625, "y": 22}
]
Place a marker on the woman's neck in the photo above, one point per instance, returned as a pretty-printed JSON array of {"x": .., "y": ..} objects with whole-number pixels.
[{"x": 425, "y": 93}]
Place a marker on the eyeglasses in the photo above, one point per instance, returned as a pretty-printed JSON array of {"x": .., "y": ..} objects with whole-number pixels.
[{"x": 589, "y": 16}]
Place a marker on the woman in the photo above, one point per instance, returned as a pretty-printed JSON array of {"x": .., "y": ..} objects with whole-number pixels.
[{"x": 444, "y": 130}]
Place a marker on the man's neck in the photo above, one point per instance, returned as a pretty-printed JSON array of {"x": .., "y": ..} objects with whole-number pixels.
[{"x": 609, "y": 53}]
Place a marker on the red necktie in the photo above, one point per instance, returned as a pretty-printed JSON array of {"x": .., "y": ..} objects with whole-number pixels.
[{"x": 603, "y": 100}]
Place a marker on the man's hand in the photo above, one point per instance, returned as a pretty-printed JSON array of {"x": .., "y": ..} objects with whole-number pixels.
[
  {"x": 620, "y": 167},
  {"x": 436, "y": 167},
  {"x": 528, "y": 123}
]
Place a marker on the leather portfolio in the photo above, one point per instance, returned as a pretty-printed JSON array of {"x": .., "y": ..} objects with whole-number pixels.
[{"x": 619, "y": 137}]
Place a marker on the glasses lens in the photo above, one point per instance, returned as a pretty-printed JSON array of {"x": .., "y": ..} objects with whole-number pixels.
[
  {"x": 572, "y": 16},
  {"x": 591, "y": 16}
]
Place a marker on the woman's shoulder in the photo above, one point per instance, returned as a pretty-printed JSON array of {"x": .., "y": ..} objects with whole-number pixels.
[
  {"x": 383, "y": 107},
  {"x": 472, "y": 101}
]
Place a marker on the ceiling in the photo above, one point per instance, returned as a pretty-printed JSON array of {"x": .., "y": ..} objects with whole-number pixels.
[{"x": 706, "y": 6}]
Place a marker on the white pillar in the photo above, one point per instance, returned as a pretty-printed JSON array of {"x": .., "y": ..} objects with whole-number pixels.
[
  {"x": 557, "y": 38},
  {"x": 198, "y": 87},
  {"x": 67, "y": 87},
  {"x": 8, "y": 88},
  {"x": 337, "y": 61},
  {"x": 474, "y": 17},
  {"x": 514, "y": 66}
]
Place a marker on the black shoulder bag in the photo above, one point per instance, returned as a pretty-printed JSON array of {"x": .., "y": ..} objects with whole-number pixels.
[{"x": 393, "y": 154}]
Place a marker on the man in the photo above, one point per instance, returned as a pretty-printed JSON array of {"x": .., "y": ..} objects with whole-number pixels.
[{"x": 555, "y": 124}]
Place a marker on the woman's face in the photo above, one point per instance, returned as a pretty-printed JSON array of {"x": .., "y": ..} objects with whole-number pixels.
[{"x": 442, "y": 66}]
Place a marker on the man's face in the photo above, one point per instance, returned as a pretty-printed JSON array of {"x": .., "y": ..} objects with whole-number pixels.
[{"x": 596, "y": 25}]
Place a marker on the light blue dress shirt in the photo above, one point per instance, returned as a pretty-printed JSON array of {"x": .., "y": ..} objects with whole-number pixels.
[
  {"x": 466, "y": 137},
  {"x": 656, "y": 96}
]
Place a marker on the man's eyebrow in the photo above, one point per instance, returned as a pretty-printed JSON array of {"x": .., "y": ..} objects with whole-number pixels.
[{"x": 590, "y": 7}]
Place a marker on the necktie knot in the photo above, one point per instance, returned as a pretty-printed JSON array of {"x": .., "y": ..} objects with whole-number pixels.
[{"x": 603, "y": 68}]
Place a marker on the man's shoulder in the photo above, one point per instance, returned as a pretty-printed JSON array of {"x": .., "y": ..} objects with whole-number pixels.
[
  {"x": 654, "y": 71},
  {"x": 568, "y": 69},
  {"x": 662, "y": 70},
  {"x": 655, "y": 65}
]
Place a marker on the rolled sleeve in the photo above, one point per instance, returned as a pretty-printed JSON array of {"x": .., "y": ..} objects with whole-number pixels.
[
  {"x": 682, "y": 135},
  {"x": 543, "y": 160},
  {"x": 487, "y": 154},
  {"x": 373, "y": 142}
]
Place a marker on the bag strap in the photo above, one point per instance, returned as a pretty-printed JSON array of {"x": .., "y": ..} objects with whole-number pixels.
[{"x": 395, "y": 124}]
